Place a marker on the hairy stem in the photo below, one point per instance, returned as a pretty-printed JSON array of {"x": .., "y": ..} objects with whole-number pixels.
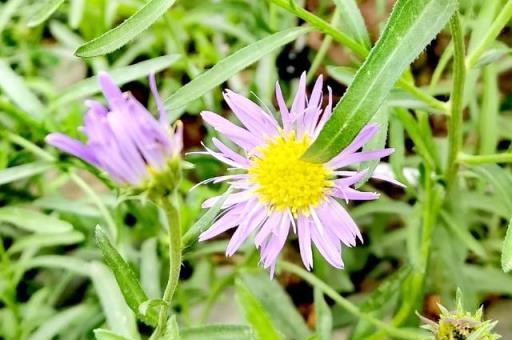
[
  {"x": 456, "y": 101},
  {"x": 174, "y": 230}
]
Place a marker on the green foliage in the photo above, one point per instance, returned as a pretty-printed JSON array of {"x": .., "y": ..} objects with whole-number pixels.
[{"x": 450, "y": 227}]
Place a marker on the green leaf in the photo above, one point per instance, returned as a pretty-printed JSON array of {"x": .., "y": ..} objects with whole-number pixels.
[
  {"x": 23, "y": 171},
  {"x": 120, "y": 318},
  {"x": 8, "y": 10},
  {"x": 172, "y": 331},
  {"x": 46, "y": 240},
  {"x": 125, "y": 277},
  {"x": 500, "y": 179},
  {"x": 353, "y": 21},
  {"x": 323, "y": 317},
  {"x": 43, "y": 10},
  {"x": 506, "y": 251},
  {"x": 412, "y": 25},
  {"x": 218, "y": 332},
  {"x": 228, "y": 67},
  {"x": 34, "y": 221},
  {"x": 129, "y": 29},
  {"x": 254, "y": 313},
  {"x": 283, "y": 314},
  {"x": 150, "y": 268},
  {"x": 122, "y": 75},
  {"x": 69, "y": 263},
  {"x": 61, "y": 321},
  {"x": 15, "y": 88},
  {"x": 204, "y": 221},
  {"x": 103, "y": 334}
]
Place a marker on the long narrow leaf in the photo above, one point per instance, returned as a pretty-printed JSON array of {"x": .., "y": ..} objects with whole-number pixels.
[
  {"x": 228, "y": 67},
  {"x": 16, "y": 89},
  {"x": 506, "y": 253},
  {"x": 129, "y": 29},
  {"x": 125, "y": 277},
  {"x": 43, "y": 11},
  {"x": 413, "y": 24}
]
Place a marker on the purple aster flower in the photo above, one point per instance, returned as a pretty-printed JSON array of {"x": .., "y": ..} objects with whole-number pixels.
[
  {"x": 275, "y": 191},
  {"x": 124, "y": 140}
]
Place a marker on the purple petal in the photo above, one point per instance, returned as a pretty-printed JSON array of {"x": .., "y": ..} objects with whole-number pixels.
[
  {"x": 283, "y": 109},
  {"x": 359, "y": 157},
  {"x": 299, "y": 102},
  {"x": 111, "y": 91},
  {"x": 234, "y": 198},
  {"x": 251, "y": 115},
  {"x": 71, "y": 146},
  {"x": 362, "y": 138},
  {"x": 230, "y": 153},
  {"x": 238, "y": 135},
  {"x": 230, "y": 219},
  {"x": 252, "y": 217},
  {"x": 164, "y": 120},
  {"x": 267, "y": 228},
  {"x": 304, "y": 235}
]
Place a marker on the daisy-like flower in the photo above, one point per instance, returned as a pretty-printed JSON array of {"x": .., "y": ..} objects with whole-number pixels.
[
  {"x": 277, "y": 191},
  {"x": 125, "y": 140}
]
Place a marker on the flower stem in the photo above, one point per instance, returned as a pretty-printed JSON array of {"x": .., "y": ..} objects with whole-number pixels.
[
  {"x": 173, "y": 220},
  {"x": 456, "y": 101},
  {"x": 485, "y": 159},
  {"x": 346, "y": 304},
  {"x": 501, "y": 20},
  {"x": 326, "y": 43}
]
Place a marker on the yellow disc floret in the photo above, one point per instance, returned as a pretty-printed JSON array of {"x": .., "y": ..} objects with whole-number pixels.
[{"x": 283, "y": 180}]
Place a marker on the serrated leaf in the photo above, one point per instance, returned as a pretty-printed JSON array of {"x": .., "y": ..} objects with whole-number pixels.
[
  {"x": 255, "y": 315},
  {"x": 23, "y": 171},
  {"x": 506, "y": 251},
  {"x": 218, "y": 332},
  {"x": 125, "y": 277},
  {"x": 129, "y": 29},
  {"x": 412, "y": 25},
  {"x": 122, "y": 75},
  {"x": 285, "y": 317},
  {"x": 228, "y": 67},
  {"x": 14, "y": 88},
  {"x": 353, "y": 21},
  {"x": 33, "y": 221},
  {"x": 43, "y": 10}
]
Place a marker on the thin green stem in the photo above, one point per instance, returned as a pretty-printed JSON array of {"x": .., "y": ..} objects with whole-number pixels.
[
  {"x": 456, "y": 101},
  {"x": 417, "y": 279},
  {"x": 324, "y": 47},
  {"x": 346, "y": 304},
  {"x": 86, "y": 188},
  {"x": 323, "y": 26},
  {"x": 485, "y": 159},
  {"x": 501, "y": 20},
  {"x": 174, "y": 229},
  {"x": 422, "y": 96},
  {"x": 36, "y": 150}
]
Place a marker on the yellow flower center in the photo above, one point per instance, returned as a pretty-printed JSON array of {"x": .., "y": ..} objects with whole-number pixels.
[{"x": 283, "y": 180}]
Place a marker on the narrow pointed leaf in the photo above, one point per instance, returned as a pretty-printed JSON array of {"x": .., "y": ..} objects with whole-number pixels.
[
  {"x": 412, "y": 25},
  {"x": 34, "y": 221},
  {"x": 125, "y": 277},
  {"x": 15, "y": 89},
  {"x": 228, "y": 67},
  {"x": 218, "y": 332},
  {"x": 352, "y": 21},
  {"x": 129, "y": 29},
  {"x": 23, "y": 171},
  {"x": 122, "y": 75},
  {"x": 506, "y": 253},
  {"x": 44, "y": 9}
]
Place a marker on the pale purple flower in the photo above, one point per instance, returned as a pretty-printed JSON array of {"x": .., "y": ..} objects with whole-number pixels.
[
  {"x": 273, "y": 191},
  {"x": 124, "y": 139}
]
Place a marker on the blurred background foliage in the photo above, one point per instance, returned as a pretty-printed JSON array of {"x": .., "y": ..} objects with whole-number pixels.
[{"x": 53, "y": 282}]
